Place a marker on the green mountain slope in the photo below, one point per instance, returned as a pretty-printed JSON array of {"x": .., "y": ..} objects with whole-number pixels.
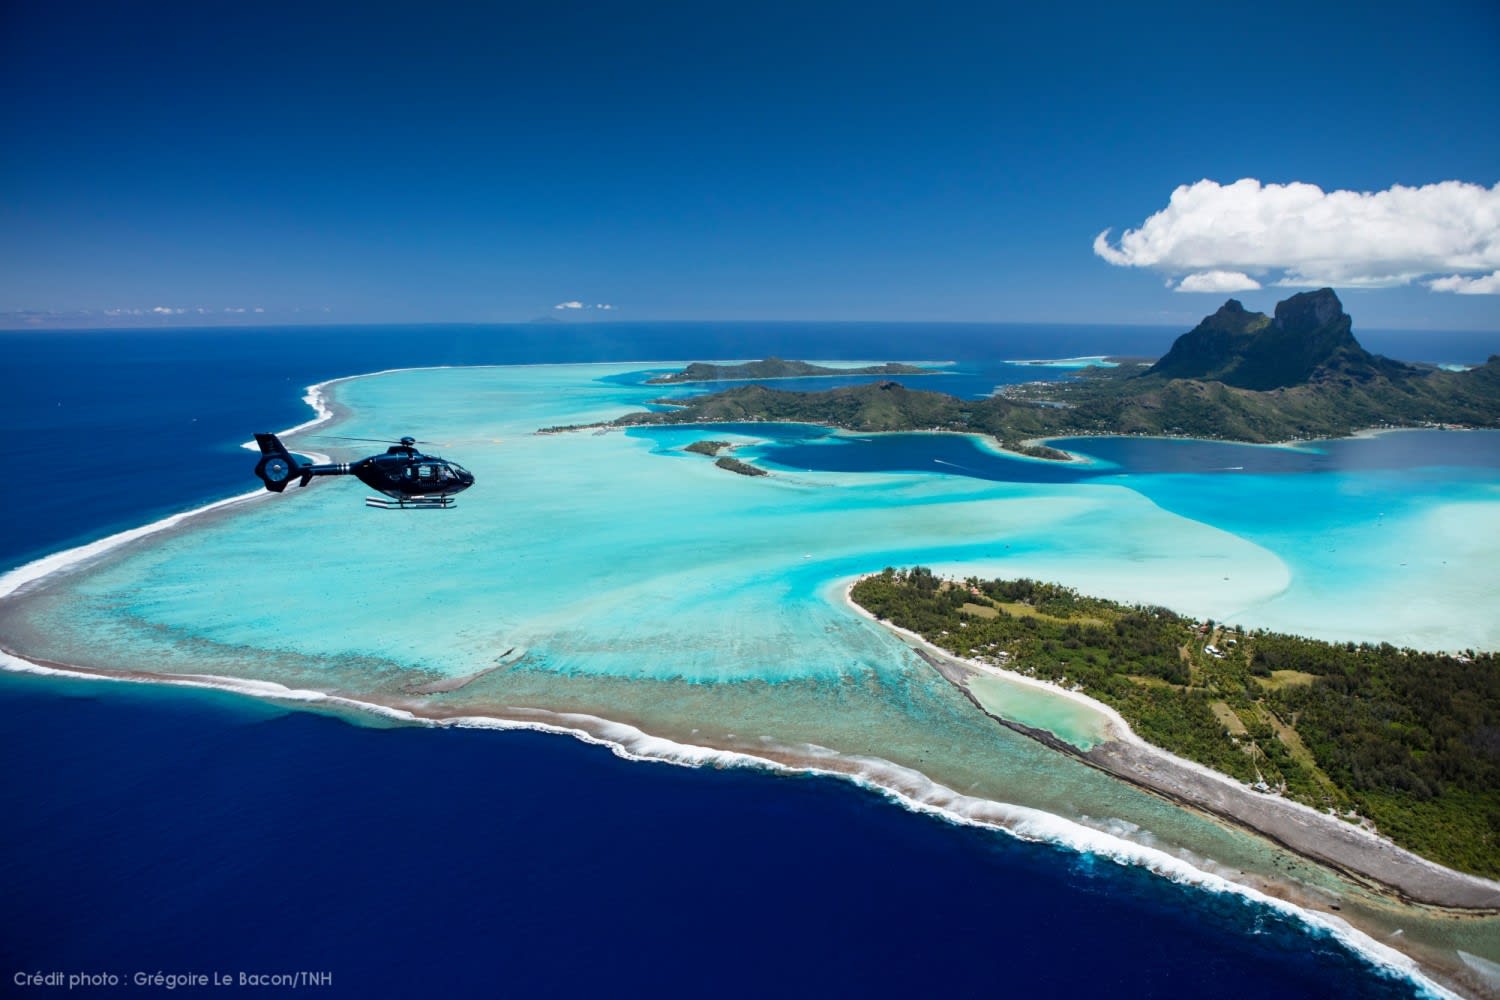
[
  {"x": 700, "y": 371},
  {"x": 1237, "y": 376}
]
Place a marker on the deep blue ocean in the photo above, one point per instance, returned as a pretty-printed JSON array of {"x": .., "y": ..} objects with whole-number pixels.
[{"x": 152, "y": 829}]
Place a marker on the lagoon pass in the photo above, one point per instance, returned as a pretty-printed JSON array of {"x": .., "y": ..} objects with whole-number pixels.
[{"x": 614, "y": 586}]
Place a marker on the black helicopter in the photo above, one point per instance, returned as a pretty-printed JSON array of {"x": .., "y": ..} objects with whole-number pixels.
[{"x": 409, "y": 478}]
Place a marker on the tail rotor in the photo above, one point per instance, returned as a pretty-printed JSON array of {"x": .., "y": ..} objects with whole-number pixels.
[{"x": 277, "y": 467}]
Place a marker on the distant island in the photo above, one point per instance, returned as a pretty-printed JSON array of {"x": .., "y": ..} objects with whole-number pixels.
[
  {"x": 743, "y": 468},
  {"x": 712, "y": 449},
  {"x": 1236, "y": 376},
  {"x": 773, "y": 367},
  {"x": 1402, "y": 738}
]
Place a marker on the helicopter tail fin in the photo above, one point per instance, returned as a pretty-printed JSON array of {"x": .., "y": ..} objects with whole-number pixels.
[{"x": 277, "y": 466}]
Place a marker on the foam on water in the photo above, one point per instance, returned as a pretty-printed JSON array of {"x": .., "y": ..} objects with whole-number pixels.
[
  {"x": 1091, "y": 361},
  {"x": 17, "y": 579},
  {"x": 903, "y": 786}
]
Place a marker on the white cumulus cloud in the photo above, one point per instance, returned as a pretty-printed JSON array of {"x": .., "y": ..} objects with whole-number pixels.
[
  {"x": 1217, "y": 281},
  {"x": 167, "y": 311},
  {"x": 1488, "y": 284},
  {"x": 575, "y": 304},
  {"x": 1300, "y": 235}
]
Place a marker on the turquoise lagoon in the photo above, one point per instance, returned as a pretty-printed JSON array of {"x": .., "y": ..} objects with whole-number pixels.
[{"x": 613, "y": 584}]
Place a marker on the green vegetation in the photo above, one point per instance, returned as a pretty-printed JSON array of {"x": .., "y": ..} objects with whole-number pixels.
[
  {"x": 712, "y": 448},
  {"x": 1238, "y": 376},
  {"x": 1410, "y": 740},
  {"x": 1042, "y": 451},
  {"x": 743, "y": 468},
  {"x": 700, "y": 371}
]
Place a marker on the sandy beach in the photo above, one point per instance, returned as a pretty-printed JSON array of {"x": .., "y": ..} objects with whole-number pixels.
[{"x": 1349, "y": 849}]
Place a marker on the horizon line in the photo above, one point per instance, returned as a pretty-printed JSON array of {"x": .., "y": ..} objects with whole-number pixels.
[{"x": 547, "y": 321}]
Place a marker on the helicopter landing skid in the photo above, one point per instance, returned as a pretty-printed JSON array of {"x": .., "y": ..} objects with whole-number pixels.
[{"x": 411, "y": 503}]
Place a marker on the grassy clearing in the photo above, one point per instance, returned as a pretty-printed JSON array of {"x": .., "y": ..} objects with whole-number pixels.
[
  {"x": 1153, "y": 682},
  {"x": 1285, "y": 678},
  {"x": 1228, "y": 719}
]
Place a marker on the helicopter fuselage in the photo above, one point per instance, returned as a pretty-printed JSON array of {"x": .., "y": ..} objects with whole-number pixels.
[
  {"x": 402, "y": 473},
  {"x": 405, "y": 472}
]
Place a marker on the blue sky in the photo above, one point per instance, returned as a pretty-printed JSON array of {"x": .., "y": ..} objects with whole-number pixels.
[{"x": 940, "y": 161}]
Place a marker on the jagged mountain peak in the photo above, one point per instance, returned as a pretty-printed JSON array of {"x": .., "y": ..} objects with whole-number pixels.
[
  {"x": 1311, "y": 337},
  {"x": 1307, "y": 311}
]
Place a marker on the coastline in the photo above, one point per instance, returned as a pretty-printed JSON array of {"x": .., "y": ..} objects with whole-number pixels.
[
  {"x": 1351, "y": 850},
  {"x": 1100, "y": 361},
  {"x": 851, "y": 371},
  {"x": 20, "y": 577},
  {"x": 1290, "y": 444},
  {"x": 990, "y": 442},
  {"x": 901, "y": 785}
]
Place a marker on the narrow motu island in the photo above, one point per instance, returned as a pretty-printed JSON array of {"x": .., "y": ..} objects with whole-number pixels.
[{"x": 1208, "y": 693}]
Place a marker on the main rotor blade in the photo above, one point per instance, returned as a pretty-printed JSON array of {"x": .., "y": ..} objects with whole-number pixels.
[{"x": 337, "y": 437}]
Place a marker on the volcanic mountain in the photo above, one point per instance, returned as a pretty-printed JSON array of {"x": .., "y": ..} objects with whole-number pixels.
[
  {"x": 1310, "y": 339},
  {"x": 1237, "y": 376}
]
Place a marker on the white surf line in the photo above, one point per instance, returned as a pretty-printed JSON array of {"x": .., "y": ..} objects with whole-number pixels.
[
  {"x": 902, "y": 786},
  {"x": 58, "y": 562},
  {"x": 916, "y": 792},
  {"x": 1039, "y": 362},
  {"x": 315, "y": 396}
]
